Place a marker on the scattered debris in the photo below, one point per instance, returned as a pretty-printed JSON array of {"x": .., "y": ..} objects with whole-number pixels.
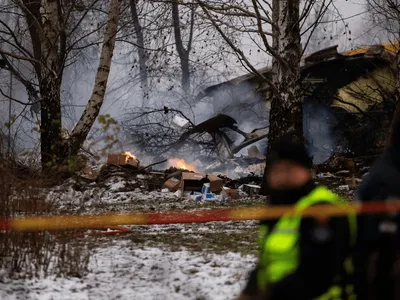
[
  {"x": 182, "y": 180},
  {"x": 181, "y": 122},
  {"x": 89, "y": 173},
  {"x": 194, "y": 182},
  {"x": 255, "y": 169},
  {"x": 343, "y": 173},
  {"x": 216, "y": 127},
  {"x": 336, "y": 164},
  {"x": 172, "y": 184},
  {"x": 254, "y": 152},
  {"x": 180, "y": 164},
  {"x": 343, "y": 187},
  {"x": 352, "y": 182},
  {"x": 123, "y": 159},
  {"x": 251, "y": 189},
  {"x": 198, "y": 186},
  {"x": 230, "y": 193}
]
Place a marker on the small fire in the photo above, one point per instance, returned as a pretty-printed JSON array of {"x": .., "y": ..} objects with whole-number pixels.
[
  {"x": 130, "y": 155},
  {"x": 180, "y": 164}
]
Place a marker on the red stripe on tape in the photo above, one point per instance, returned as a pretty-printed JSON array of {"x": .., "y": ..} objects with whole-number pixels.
[
  {"x": 5, "y": 224},
  {"x": 189, "y": 217}
]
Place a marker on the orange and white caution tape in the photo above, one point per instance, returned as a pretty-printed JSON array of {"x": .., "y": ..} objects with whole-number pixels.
[{"x": 66, "y": 222}]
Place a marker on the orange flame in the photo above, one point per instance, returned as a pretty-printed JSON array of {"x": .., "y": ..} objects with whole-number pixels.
[
  {"x": 129, "y": 154},
  {"x": 180, "y": 164}
]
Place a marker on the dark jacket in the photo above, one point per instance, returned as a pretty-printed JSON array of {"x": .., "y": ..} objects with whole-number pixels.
[
  {"x": 321, "y": 258},
  {"x": 374, "y": 278}
]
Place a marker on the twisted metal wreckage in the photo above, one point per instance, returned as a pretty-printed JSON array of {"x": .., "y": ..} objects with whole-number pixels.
[{"x": 354, "y": 84}]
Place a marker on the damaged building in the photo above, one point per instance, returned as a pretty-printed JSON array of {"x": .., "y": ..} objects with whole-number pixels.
[{"x": 348, "y": 99}]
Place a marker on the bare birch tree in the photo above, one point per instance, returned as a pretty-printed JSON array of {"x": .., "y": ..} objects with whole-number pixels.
[
  {"x": 54, "y": 41},
  {"x": 92, "y": 110}
]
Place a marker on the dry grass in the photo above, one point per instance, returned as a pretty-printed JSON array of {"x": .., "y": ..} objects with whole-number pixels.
[{"x": 33, "y": 254}]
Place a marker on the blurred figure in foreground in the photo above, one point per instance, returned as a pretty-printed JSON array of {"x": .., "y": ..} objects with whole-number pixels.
[
  {"x": 377, "y": 255},
  {"x": 301, "y": 258}
]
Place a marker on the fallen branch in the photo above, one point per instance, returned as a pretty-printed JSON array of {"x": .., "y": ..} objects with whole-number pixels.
[{"x": 156, "y": 163}]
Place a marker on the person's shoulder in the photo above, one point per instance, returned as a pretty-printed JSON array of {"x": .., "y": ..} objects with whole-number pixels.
[{"x": 326, "y": 196}]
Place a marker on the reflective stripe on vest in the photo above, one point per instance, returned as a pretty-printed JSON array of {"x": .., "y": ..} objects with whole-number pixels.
[{"x": 280, "y": 249}]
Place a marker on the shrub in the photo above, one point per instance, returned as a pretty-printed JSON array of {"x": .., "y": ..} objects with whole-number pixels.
[{"x": 31, "y": 254}]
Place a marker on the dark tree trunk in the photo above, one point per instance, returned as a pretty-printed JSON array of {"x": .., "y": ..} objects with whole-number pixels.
[
  {"x": 286, "y": 113},
  {"x": 182, "y": 52},
  {"x": 50, "y": 125},
  {"x": 185, "y": 80},
  {"x": 141, "y": 51},
  {"x": 50, "y": 81}
]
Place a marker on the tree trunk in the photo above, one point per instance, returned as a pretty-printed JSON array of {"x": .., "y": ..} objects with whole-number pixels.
[
  {"x": 92, "y": 109},
  {"x": 50, "y": 126},
  {"x": 286, "y": 114},
  {"x": 50, "y": 81},
  {"x": 141, "y": 51},
  {"x": 183, "y": 53},
  {"x": 185, "y": 80}
]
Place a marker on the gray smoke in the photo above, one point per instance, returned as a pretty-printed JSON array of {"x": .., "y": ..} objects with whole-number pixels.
[{"x": 318, "y": 123}]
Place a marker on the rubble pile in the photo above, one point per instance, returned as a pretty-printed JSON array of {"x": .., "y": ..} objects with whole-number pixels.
[
  {"x": 123, "y": 173},
  {"x": 346, "y": 172},
  {"x": 181, "y": 180},
  {"x": 238, "y": 167}
]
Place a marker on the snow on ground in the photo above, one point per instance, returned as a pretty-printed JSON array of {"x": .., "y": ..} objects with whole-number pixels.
[
  {"x": 125, "y": 271},
  {"x": 115, "y": 191},
  {"x": 119, "y": 194},
  {"x": 176, "y": 261}
]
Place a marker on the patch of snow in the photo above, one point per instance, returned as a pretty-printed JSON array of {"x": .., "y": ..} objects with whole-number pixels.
[
  {"x": 122, "y": 272},
  {"x": 117, "y": 186},
  {"x": 325, "y": 175},
  {"x": 343, "y": 187}
]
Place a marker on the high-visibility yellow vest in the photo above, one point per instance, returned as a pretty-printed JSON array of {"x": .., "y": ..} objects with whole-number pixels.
[{"x": 280, "y": 248}]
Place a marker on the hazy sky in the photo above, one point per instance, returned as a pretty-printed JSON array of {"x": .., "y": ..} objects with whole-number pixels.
[
  {"x": 120, "y": 100},
  {"x": 347, "y": 9}
]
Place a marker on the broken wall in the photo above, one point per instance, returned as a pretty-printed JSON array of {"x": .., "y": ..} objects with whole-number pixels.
[{"x": 368, "y": 90}]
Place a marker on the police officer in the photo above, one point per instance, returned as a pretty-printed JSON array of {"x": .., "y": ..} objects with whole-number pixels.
[{"x": 301, "y": 258}]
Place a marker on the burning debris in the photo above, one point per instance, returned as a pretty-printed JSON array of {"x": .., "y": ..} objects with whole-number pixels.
[
  {"x": 185, "y": 183},
  {"x": 123, "y": 159},
  {"x": 180, "y": 164},
  {"x": 181, "y": 178},
  {"x": 123, "y": 180}
]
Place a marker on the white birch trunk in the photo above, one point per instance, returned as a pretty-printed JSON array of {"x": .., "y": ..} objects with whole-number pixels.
[
  {"x": 92, "y": 109},
  {"x": 286, "y": 114}
]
